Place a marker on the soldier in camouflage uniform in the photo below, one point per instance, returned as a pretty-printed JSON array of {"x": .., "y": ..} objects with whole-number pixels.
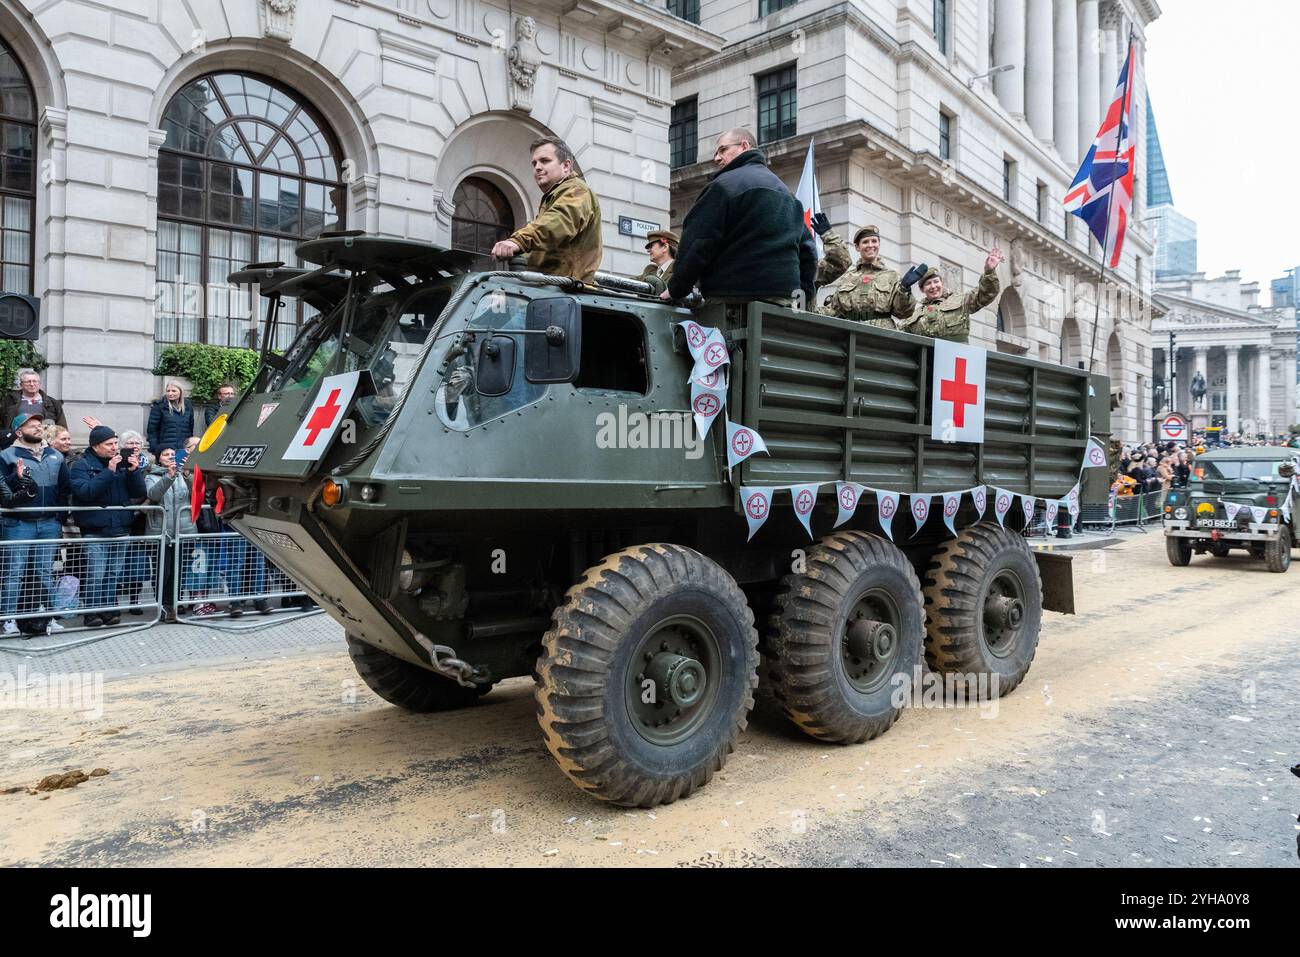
[
  {"x": 564, "y": 237},
  {"x": 871, "y": 293},
  {"x": 948, "y": 316}
]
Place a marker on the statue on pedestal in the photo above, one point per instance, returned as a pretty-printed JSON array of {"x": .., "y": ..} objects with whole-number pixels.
[{"x": 1198, "y": 389}]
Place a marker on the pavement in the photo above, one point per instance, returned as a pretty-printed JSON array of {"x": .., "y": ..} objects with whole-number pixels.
[{"x": 1155, "y": 728}]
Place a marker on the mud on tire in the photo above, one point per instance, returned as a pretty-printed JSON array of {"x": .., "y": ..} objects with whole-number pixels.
[
  {"x": 832, "y": 668},
  {"x": 984, "y": 606},
  {"x": 635, "y": 616},
  {"x": 406, "y": 685}
]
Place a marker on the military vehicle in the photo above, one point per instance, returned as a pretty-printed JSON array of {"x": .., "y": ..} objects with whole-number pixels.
[
  {"x": 465, "y": 523},
  {"x": 1236, "y": 498}
]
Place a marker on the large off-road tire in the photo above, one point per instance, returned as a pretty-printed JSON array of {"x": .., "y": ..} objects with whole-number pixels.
[
  {"x": 1179, "y": 550},
  {"x": 845, "y": 637},
  {"x": 1277, "y": 553},
  {"x": 406, "y": 685},
  {"x": 984, "y": 606},
  {"x": 647, "y": 675}
]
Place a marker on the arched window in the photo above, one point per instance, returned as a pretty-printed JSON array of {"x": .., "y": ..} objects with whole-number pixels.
[
  {"x": 483, "y": 216},
  {"x": 248, "y": 170},
  {"x": 17, "y": 174}
]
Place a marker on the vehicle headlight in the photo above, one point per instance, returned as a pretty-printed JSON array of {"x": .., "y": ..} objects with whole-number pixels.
[
  {"x": 1180, "y": 513},
  {"x": 213, "y": 432}
]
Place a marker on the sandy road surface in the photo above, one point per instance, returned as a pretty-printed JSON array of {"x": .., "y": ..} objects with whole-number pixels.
[{"x": 1155, "y": 727}]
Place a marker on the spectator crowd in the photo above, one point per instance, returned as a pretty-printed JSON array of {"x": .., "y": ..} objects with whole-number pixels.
[{"x": 79, "y": 528}]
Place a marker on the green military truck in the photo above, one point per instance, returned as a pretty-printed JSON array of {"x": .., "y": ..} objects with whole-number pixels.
[
  {"x": 1236, "y": 498},
  {"x": 479, "y": 500}
]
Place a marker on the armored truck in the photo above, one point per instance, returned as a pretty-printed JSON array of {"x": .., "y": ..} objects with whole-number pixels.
[
  {"x": 485, "y": 475},
  {"x": 1236, "y": 498}
]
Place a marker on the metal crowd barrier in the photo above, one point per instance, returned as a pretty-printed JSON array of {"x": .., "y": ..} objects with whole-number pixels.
[
  {"x": 1135, "y": 511},
  {"x": 218, "y": 574},
  {"x": 56, "y": 579}
]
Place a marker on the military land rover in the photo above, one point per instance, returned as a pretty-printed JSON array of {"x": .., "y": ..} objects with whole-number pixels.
[{"x": 450, "y": 506}]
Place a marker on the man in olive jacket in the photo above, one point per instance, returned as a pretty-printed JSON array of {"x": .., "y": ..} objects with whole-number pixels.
[
  {"x": 564, "y": 237},
  {"x": 745, "y": 237}
]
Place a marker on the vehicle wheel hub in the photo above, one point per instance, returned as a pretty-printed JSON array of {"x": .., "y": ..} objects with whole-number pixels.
[{"x": 683, "y": 680}]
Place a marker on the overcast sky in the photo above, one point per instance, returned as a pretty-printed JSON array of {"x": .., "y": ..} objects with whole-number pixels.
[{"x": 1224, "y": 81}]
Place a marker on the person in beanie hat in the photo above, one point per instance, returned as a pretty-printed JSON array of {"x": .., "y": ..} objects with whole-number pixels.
[{"x": 104, "y": 477}]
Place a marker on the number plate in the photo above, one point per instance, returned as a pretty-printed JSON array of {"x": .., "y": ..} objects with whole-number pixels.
[
  {"x": 242, "y": 456},
  {"x": 1221, "y": 523}
]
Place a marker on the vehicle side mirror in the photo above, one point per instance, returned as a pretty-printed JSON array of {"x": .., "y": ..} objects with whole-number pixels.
[
  {"x": 553, "y": 357},
  {"x": 496, "y": 366}
]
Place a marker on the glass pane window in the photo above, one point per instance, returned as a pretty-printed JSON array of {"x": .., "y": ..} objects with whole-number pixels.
[
  {"x": 777, "y": 104},
  {"x": 17, "y": 174},
  {"x": 483, "y": 216},
  {"x": 248, "y": 171},
  {"x": 683, "y": 144},
  {"x": 688, "y": 10}
]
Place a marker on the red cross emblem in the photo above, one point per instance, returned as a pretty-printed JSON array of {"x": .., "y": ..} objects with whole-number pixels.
[
  {"x": 950, "y": 507},
  {"x": 887, "y": 507},
  {"x": 706, "y": 404},
  {"x": 804, "y": 503},
  {"x": 920, "y": 507},
  {"x": 980, "y": 500},
  {"x": 715, "y": 354},
  {"x": 756, "y": 505},
  {"x": 1074, "y": 497},
  {"x": 959, "y": 392},
  {"x": 1004, "y": 503},
  {"x": 1096, "y": 456},
  {"x": 848, "y": 497},
  {"x": 742, "y": 442},
  {"x": 709, "y": 380},
  {"x": 694, "y": 335},
  {"x": 322, "y": 417}
]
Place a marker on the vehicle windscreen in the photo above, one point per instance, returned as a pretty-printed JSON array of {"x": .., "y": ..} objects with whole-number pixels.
[
  {"x": 1228, "y": 470},
  {"x": 388, "y": 332}
]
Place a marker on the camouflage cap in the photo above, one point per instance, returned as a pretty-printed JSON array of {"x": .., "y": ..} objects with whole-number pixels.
[
  {"x": 865, "y": 231},
  {"x": 667, "y": 235},
  {"x": 930, "y": 273}
]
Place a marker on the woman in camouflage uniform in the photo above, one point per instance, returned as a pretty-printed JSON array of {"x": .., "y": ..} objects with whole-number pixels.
[
  {"x": 871, "y": 293},
  {"x": 948, "y": 316}
]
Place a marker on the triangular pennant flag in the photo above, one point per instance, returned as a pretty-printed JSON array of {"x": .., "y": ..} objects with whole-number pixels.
[
  {"x": 951, "y": 503},
  {"x": 1094, "y": 456},
  {"x": 1027, "y": 503},
  {"x": 696, "y": 336},
  {"x": 886, "y": 509},
  {"x": 742, "y": 442},
  {"x": 1049, "y": 515},
  {"x": 1072, "y": 502},
  {"x": 981, "y": 496},
  {"x": 920, "y": 507},
  {"x": 1001, "y": 503},
  {"x": 847, "y": 495},
  {"x": 1232, "y": 508},
  {"x": 757, "y": 503},
  {"x": 713, "y": 356},
  {"x": 1258, "y": 514},
  {"x": 708, "y": 396},
  {"x": 803, "y": 498}
]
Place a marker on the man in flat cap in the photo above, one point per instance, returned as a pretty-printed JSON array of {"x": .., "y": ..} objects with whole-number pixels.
[
  {"x": 947, "y": 316},
  {"x": 661, "y": 244},
  {"x": 871, "y": 293}
]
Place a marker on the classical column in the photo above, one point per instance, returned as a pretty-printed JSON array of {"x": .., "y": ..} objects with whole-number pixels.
[
  {"x": 982, "y": 63},
  {"x": 1009, "y": 49},
  {"x": 1263, "y": 391},
  {"x": 1109, "y": 59},
  {"x": 1233, "y": 423},
  {"x": 1089, "y": 72},
  {"x": 1201, "y": 365},
  {"x": 1065, "y": 123},
  {"x": 1039, "y": 47}
]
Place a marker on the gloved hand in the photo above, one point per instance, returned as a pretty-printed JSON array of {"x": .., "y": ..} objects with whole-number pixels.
[
  {"x": 821, "y": 224},
  {"x": 913, "y": 275}
]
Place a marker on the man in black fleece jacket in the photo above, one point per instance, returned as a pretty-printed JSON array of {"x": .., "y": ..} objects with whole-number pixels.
[{"x": 745, "y": 237}]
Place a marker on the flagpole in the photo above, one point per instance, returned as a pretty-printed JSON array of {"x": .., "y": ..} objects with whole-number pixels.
[{"x": 1110, "y": 199}]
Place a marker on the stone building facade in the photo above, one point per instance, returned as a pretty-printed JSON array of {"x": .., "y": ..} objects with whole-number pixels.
[
  {"x": 150, "y": 146},
  {"x": 913, "y": 134},
  {"x": 1245, "y": 352}
]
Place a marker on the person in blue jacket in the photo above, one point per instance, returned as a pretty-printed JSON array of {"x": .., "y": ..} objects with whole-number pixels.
[
  {"x": 104, "y": 477},
  {"x": 171, "y": 420}
]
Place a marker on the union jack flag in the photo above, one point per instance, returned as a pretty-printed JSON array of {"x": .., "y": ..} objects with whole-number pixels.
[{"x": 1102, "y": 192}]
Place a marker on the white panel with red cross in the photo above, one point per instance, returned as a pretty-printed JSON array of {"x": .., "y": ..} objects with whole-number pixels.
[
  {"x": 957, "y": 395},
  {"x": 323, "y": 418}
]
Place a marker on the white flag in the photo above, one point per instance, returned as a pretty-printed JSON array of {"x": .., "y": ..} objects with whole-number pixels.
[
  {"x": 809, "y": 197},
  {"x": 696, "y": 335},
  {"x": 708, "y": 396},
  {"x": 847, "y": 495},
  {"x": 742, "y": 442},
  {"x": 957, "y": 394},
  {"x": 981, "y": 496},
  {"x": 886, "y": 509},
  {"x": 323, "y": 418},
  {"x": 1001, "y": 503},
  {"x": 803, "y": 498},
  {"x": 1049, "y": 514},
  {"x": 920, "y": 507},
  {"x": 1258, "y": 514},
  {"x": 713, "y": 355},
  {"x": 1232, "y": 508},
  {"x": 1072, "y": 502},
  {"x": 1094, "y": 457},
  {"x": 1027, "y": 503},
  {"x": 757, "y": 503},
  {"x": 951, "y": 503}
]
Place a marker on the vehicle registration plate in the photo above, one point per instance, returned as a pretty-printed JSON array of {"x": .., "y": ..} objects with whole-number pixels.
[{"x": 242, "y": 456}]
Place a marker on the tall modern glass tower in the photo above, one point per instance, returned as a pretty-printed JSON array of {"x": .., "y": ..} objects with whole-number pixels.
[{"x": 1173, "y": 233}]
